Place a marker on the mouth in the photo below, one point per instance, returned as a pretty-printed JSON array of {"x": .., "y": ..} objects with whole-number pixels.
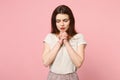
[{"x": 62, "y": 28}]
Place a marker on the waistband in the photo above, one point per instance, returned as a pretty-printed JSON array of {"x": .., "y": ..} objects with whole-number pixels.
[{"x": 73, "y": 73}]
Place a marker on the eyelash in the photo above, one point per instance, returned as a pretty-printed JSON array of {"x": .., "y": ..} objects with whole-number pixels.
[{"x": 66, "y": 20}]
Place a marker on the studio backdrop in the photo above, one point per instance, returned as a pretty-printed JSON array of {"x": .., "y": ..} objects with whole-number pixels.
[{"x": 25, "y": 23}]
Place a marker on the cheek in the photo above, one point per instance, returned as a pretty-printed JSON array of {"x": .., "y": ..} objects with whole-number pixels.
[
  {"x": 67, "y": 24},
  {"x": 57, "y": 24}
]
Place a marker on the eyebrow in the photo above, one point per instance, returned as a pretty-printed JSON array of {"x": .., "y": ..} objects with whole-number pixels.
[{"x": 63, "y": 19}]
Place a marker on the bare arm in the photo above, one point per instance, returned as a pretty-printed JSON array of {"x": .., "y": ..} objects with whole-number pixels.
[
  {"x": 77, "y": 57},
  {"x": 50, "y": 54}
]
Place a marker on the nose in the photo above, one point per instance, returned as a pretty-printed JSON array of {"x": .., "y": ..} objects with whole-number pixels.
[{"x": 61, "y": 23}]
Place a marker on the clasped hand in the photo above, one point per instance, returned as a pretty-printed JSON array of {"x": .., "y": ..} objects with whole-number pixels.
[{"x": 63, "y": 37}]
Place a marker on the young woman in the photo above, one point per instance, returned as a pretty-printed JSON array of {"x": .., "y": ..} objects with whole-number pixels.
[{"x": 64, "y": 48}]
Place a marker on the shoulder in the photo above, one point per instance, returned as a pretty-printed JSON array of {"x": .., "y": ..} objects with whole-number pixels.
[
  {"x": 78, "y": 35},
  {"x": 49, "y": 38},
  {"x": 80, "y": 38},
  {"x": 50, "y": 35}
]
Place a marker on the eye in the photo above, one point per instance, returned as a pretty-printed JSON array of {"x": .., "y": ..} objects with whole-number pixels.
[
  {"x": 57, "y": 21},
  {"x": 66, "y": 20}
]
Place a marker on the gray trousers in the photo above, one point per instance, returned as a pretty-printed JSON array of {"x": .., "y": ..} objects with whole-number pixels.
[{"x": 70, "y": 76}]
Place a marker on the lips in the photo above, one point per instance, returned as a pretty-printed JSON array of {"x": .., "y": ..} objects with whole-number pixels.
[{"x": 62, "y": 28}]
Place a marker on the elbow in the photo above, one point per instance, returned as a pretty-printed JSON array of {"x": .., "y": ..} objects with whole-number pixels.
[
  {"x": 79, "y": 64},
  {"x": 45, "y": 63}
]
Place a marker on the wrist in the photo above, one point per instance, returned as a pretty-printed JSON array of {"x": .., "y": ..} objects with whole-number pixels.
[
  {"x": 60, "y": 42},
  {"x": 65, "y": 41}
]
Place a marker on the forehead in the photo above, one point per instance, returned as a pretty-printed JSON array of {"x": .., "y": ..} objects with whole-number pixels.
[{"x": 62, "y": 16}]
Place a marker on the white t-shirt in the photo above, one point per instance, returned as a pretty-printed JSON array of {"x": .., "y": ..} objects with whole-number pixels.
[{"x": 62, "y": 63}]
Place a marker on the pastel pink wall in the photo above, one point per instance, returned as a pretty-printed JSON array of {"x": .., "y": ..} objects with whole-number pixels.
[{"x": 24, "y": 24}]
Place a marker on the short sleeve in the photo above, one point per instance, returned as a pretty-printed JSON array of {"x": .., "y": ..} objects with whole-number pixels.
[
  {"x": 47, "y": 39},
  {"x": 81, "y": 39}
]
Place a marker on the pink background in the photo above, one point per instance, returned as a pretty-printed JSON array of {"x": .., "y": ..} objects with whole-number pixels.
[{"x": 25, "y": 23}]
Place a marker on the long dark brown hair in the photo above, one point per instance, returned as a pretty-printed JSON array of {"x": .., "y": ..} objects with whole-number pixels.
[{"x": 63, "y": 9}]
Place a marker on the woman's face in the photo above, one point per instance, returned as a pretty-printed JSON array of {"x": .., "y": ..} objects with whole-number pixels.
[{"x": 62, "y": 22}]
